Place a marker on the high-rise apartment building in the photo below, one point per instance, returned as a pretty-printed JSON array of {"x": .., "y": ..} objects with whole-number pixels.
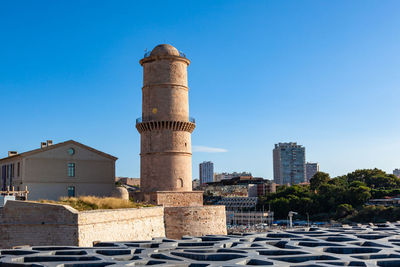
[
  {"x": 311, "y": 169},
  {"x": 206, "y": 172},
  {"x": 396, "y": 172},
  {"x": 289, "y": 163}
]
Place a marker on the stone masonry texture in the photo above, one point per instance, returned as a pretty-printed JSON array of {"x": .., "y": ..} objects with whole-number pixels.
[
  {"x": 181, "y": 221},
  {"x": 372, "y": 245},
  {"x": 176, "y": 199},
  {"x": 165, "y": 128},
  {"x": 28, "y": 223}
]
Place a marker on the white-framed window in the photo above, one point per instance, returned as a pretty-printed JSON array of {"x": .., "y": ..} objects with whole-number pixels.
[{"x": 71, "y": 169}]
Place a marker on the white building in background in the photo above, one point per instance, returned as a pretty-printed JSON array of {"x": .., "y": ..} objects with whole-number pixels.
[
  {"x": 396, "y": 172},
  {"x": 289, "y": 163},
  {"x": 206, "y": 172},
  {"x": 311, "y": 169}
]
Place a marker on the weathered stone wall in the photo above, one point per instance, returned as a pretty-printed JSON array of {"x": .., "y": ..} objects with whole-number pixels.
[
  {"x": 28, "y": 223},
  {"x": 175, "y": 199},
  {"x": 120, "y": 225},
  {"x": 194, "y": 221}
]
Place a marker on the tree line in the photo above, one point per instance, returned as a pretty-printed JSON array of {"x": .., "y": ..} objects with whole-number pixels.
[{"x": 341, "y": 198}]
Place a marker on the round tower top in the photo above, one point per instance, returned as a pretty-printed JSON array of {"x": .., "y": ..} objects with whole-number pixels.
[{"x": 164, "y": 50}]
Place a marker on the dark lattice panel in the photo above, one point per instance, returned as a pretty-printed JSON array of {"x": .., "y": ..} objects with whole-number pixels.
[{"x": 377, "y": 245}]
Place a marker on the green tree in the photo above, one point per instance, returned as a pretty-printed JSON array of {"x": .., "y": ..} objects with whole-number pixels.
[
  {"x": 281, "y": 207},
  {"x": 344, "y": 210},
  {"x": 358, "y": 195},
  {"x": 318, "y": 179},
  {"x": 339, "y": 181},
  {"x": 382, "y": 181},
  {"x": 364, "y": 175},
  {"x": 329, "y": 197}
]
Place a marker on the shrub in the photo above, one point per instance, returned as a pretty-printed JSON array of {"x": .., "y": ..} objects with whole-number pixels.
[{"x": 92, "y": 203}]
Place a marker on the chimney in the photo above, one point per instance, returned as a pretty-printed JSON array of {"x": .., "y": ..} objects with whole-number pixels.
[
  {"x": 49, "y": 142},
  {"x": 43, "y": 144},
  {"x": 12, "y": 153}
]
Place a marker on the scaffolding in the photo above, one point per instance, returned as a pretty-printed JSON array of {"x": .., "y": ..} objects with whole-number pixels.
[{"x": 20, "y": 195}]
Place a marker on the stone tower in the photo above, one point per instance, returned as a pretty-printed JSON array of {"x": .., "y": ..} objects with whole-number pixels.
[
  {"x": 165, "y": 155},
  {"x": 165, "y": 126}
]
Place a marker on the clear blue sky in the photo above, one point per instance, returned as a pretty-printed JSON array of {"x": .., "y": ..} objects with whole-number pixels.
[{"x": 325, "y": 74}]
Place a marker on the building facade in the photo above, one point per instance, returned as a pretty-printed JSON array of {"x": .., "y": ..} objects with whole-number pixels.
[
  {"x": 311, "y": 169},
  {"x": 248, "y": 218},
  {"x": 60, "y": 170},
  {"x": 226, "y": 176},
  {"x": 396, "y": 172},
  {"x": 206, "y": 169},
  {"x": 289, "y": 163},
  {"x": 195, "y": 184},
  {"x": 238, "y": 203}
]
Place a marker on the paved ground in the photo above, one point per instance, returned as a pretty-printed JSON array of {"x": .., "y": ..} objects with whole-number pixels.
[{"x": 356, "y": 246}]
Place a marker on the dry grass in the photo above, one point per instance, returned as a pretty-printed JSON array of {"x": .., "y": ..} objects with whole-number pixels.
[{"x": 93, "y": 203}]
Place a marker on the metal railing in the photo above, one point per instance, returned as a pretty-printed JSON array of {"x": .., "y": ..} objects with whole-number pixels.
[
  {"x": 147, "y": 54},
  {"x": 147, "y": 119}
]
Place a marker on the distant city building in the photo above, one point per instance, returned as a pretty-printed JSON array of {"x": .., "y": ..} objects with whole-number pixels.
[
  {"x": 248, "y": 217},
  {"x": 396, "y": 172},
  {"x": 270, "y": 187},
  {"x": 289, "y": 163},
  {"x": 226, "y": 176},
  {"x": 195, "y": 183},
  {"x": 237, "y": 203},
  {"x": 206, "y": 172},
  {"x": 311, "y": 169},
  {"x": 67, "y": 169},
  {"x": 241, "y": 186}
]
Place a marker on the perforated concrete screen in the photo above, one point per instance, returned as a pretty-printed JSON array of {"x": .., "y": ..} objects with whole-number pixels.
[{"x": 377, "y": 245}]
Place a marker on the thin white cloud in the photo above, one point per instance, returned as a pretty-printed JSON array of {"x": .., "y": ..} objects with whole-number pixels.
[{"x": 208, "y": 149}]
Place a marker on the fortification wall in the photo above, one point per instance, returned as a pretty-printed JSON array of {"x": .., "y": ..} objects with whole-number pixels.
[
  {"x": 194, "y": 221},
  {"x": 175, "y": 199},
  {"x": 35, "y": 224},
  {"x": 120, "y": 225},
  {"x": 28, "y": 223}
]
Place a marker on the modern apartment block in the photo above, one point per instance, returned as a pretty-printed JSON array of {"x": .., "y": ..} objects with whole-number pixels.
[
  {"x": 206, "y": 172},
  {"x": 289, "y": 163},
  {"x": 60, "y": 170},
  {"x": 311, "y": 169},
  {"x": 396, "y": 172}
]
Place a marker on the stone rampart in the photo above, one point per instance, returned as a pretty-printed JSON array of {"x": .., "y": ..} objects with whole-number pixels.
[
  {"x": 194, "y": 221},
  {"x": 120, "y": 225},
  {"x": 175, "y": 199},
  {"x": 29, "y": 223}
]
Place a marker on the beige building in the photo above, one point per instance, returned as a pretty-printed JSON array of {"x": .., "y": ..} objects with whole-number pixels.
[{"x": 64, "y": 169}]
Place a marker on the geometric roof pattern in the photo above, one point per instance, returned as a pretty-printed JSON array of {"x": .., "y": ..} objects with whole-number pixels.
[{"x": 373, "y": 245}]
